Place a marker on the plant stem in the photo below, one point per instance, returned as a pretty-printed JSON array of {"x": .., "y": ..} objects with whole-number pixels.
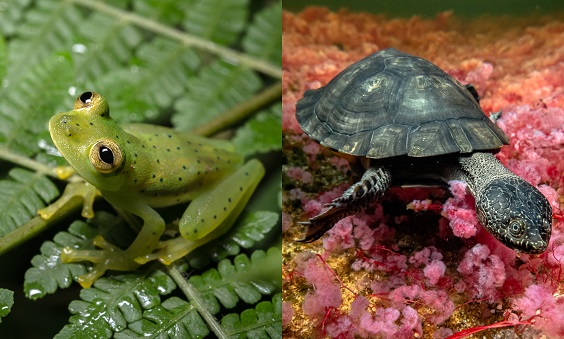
[
  {"x": 8, "y": 155},
  {"x": 35, "y": 226},
  {"x": 197, "y": 302},
  {"x": 187, "y": 39},
  {"x": 240, "y": 111}
]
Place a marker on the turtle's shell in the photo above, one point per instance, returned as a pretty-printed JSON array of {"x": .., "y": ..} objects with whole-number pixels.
[{"x": 392, "y": 103}]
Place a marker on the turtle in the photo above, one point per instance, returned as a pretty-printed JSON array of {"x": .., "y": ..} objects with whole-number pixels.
[{"x": 402, "y": 120}]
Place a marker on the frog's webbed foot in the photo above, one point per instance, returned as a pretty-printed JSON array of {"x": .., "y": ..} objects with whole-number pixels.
[
  {"x": 373, "y": 184},
  {"x": 74, "y": 190},
  {"x": 109, "y": 257}
]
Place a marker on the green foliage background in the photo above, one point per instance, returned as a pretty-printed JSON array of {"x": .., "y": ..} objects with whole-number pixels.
[{"x": 197, "y": 65}]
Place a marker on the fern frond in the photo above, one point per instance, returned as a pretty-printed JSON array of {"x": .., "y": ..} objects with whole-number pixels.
[
  {"x": 263, "y": 321},
  {"x": 3, "y": 59},
  {"x": 247, "y": 231},
  {"x": 169, "y": 12},
  {"x": 6, "y": 302},
  {"x": 48, "y": 27},
  {"x": 220, "y": 21},
  {"x": 263, "y": 38},
  {"x": 11, "y": 15},
  {"x": 23, "y": 193},
  {"x": 166, "y": 69},
  {"x": 262, "y": 133},
  {"x": 174, "y": 318},
  {"x": 218, "y": 87},
  {"x": 115, "y": 303},
  {"x": 26, "y": 106},
  {"x": 48, "y": 272},
  {"x": 111, "y": 44},
  {"x": 227, "y": 285}
]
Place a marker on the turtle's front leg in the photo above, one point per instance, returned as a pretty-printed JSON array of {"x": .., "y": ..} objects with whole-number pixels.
[{"x": 373, "y": 184}]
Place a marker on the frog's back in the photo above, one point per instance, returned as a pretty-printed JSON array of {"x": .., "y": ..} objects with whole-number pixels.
[{"x": 169, "y": 166}]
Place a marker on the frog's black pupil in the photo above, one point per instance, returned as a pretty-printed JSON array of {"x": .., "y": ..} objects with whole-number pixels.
[
  {"x": 84, "y": 97},
  {"x": 106, "y": 155}
]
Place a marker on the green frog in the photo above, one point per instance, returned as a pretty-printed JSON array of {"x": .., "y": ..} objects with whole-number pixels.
[{"x": 140, "y": 167}]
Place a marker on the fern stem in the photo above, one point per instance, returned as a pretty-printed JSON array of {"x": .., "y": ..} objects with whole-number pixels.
[
  {"x": 241, "y": 111},
  {"x": 24, "y": 161},
  {"x": 187, "y": 39},
  {"x": 197, "y": 302},
  {"x": 36, "y": 226}
]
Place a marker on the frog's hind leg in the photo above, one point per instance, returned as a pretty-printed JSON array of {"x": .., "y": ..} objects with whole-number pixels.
[{"x": 211, "y": 214}]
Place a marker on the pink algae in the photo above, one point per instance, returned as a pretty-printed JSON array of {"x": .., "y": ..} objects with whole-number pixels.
[{"x": 405, "y": 266}]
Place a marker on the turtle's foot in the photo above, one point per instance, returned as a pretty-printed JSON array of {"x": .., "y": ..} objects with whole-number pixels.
[
  {"x": 356, "y": 198},
  {"x": 374, "y": 182},
  {"x": 109, "y": 257}
]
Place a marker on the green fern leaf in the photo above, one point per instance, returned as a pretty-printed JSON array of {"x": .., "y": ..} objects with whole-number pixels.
[
  {"x": 6, "y": 302},
  {"x": 114, "y": 303},
  {"x": 3, "y": 58},
  {"x": 220, "y": 21},
  {"x": 22, "y": 195},
  {"x": 262, "y": 133},
  {"x": 48, "y": 272},
  {"x": 227, "y": 285},
  {"x": 111, "y": 44},
  {"x": 23, "y": 117},
  {"x": 247, "y": 231},
  {"x": 217, "y": 88},
  {"x": 259, "y": 40},
  {"x": 49, "y": 26},
  {"x": 166, "y": 68},
  {"x": 264, "y": 321},
  {"x": 11, "y": 15},
  {"x": 169, "y": 12},
  {"x": 174, "y": 318}
]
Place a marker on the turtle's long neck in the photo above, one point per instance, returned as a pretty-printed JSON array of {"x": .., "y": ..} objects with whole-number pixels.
[{"x": 478, "y": 170}]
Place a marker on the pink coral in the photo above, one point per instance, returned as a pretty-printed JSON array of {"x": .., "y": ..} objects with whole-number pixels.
[{"x": 483, "y": 272}]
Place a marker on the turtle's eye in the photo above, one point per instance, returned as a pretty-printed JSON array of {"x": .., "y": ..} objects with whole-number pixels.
[
  {"x": 517, "y": 228},
  {"x": 106, "y": 156}
]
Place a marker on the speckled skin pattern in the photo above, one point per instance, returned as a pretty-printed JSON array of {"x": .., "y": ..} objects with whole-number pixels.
[
  {"x": 394, "y": 107},
  {"x": 510, "y": 208}
]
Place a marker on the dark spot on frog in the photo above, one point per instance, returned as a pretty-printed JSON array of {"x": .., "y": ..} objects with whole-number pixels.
[
  {"x": 199, "y": 162},
  {"x": 154, "y": 176},
  {"x": 154, "y": 146},
  {"x": 169, "y": 136},
  {"x": 178, "y": 148},
  {"x": 161, "y": 179},
  {"x": 168, "y": 149},
  {"x": 127, "y": 141},
  {"x": 183, "y": 167},
  {"x": 195, "y": 150},
  {"x": 158, "y": 161},
  {"x": 179, "y": 179},
  {"x": 215, "y": 216},
  {"x": 77, "y": 124}
]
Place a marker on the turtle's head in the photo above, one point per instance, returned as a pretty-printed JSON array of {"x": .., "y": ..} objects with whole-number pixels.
[{"x": 516, "y": 213}]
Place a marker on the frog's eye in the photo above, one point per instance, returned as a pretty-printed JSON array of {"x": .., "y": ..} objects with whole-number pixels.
[{"x": 106, "y": 156}]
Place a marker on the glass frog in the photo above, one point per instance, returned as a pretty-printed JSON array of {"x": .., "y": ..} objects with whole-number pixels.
[{"x": 139, "y": 167}]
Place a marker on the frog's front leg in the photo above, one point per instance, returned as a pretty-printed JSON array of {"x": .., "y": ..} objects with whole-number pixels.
[
  {"x": 211, "y": 214},
  {"x": 109, "y": 257}
]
